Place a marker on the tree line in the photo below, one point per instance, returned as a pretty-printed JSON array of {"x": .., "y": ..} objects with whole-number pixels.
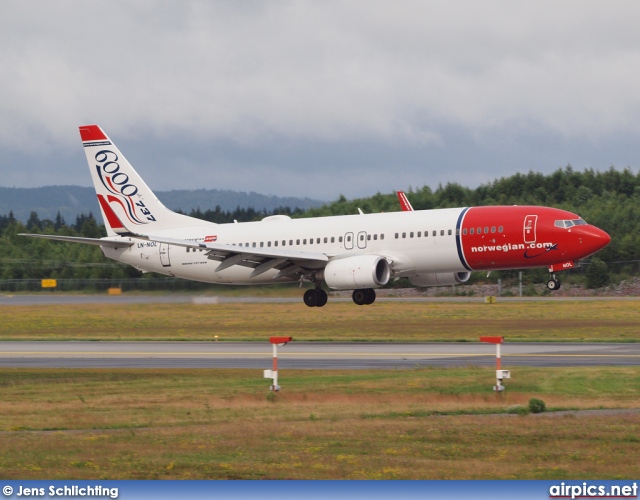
[{"x": 609, "y": 199}]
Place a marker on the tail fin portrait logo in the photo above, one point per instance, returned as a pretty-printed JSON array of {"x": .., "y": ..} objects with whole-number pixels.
[{"x": 122, "y": 191}]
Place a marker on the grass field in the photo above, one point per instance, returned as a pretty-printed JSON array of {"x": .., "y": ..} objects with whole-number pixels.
[
  {"x": 423, "y": 423},
  {"x": 384, "y": 321},
  {"x": 409, "y": 424}
]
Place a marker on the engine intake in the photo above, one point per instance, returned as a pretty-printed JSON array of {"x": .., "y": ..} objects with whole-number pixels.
[
  {"x": 439, "y": 279},
  {"x": 359, "y": 271}
]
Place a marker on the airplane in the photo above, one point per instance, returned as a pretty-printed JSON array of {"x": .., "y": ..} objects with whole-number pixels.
[
  {"x": 350, "y": 252},
  {"x": 405, "y": 205}
]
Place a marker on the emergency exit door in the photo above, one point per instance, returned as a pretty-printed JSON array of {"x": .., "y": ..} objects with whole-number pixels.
[{"x": 530, "y": 222}]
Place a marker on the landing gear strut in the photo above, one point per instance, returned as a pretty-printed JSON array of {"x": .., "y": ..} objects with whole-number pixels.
[
  {"x": 364, "y": 296},
  {"x": 316, "y": 297},
  {"x": 553, "y": 284}
]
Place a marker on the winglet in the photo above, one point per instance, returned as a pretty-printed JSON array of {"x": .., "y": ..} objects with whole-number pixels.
[{"x": 404, "y": 202}]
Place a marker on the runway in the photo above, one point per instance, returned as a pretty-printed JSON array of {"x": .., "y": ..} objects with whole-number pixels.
[
  {"x": 309, "y": 355},
  {"x": 42, "y": 299}
]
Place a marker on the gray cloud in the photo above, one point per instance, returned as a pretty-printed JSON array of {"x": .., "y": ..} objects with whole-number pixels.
[{"x": 297, "y": 98}]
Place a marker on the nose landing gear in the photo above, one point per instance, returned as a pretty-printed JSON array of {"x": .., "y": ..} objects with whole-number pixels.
[{"x": 553, "y": 284}]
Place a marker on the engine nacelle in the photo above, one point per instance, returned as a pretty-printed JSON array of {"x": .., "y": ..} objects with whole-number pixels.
[
  {"x": 359, "y": 271},
  {"x": 439, "y": 279}
]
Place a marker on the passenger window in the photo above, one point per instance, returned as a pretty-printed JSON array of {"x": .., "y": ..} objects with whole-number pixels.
[
  {"x": 297, "y": 242},
  {"x": 325, "y": 239},
  {"x": 450, "y": 231},
  {"x": 464, "y": 231},
  {"x": 493, "y": 229},
  {"x": 333, "y": 239},
  {"x": 310, "y": 241},
  {"x": 382, "y": 236},
  {"x": 375, "y": 236},
  {"x": 486, "y": 230},
  {"x": 253, "y": 244},
  {"x": 396, "y": 236},
  {"x": 349, "y": 239},
  {"x": 404, "y": 235},
  {"x": 368, "y": 237},
  {"x": 435, "y": 233},
  {"x": 500, "y": 229},
  {"x": 275, "y": 243},
  {"x": 304, "y": 241},
  {"x": 419, "y": 234},
  {"x": 261, "y": 244},
  {"x": 339, "y": 239},
  {"x": 318, "y": 241}
]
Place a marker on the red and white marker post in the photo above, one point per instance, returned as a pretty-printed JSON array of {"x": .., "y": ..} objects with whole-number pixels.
[
  {"x": 273, "y": 374},
  {"x": 500, "y": 374}
]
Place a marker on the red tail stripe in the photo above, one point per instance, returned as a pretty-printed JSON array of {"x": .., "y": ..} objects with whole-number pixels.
[
  {"x": 112, "y": 218},
  {"x": 92, "y": 133}
]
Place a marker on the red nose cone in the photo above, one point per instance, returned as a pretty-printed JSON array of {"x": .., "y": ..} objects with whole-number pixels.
[{"x": 593, "y": 239}]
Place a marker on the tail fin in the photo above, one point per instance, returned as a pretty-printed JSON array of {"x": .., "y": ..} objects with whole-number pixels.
[{"x": 126, "y": 202}]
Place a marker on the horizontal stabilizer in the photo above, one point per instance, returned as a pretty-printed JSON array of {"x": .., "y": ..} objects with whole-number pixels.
[{"x": 87, "y": 241}]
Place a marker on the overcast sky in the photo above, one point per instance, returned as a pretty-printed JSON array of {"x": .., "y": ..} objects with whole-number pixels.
[{"x": 319, "y": 98}]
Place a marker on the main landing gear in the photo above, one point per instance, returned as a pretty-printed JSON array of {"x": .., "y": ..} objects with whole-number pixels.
[
  {"x": 316, "y": 297},
  {"x": 364, "y": 296},
  {"x": 553, "y": 284}
]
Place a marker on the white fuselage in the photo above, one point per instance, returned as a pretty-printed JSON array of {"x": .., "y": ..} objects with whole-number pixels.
[{"x": 338, "y": 237}]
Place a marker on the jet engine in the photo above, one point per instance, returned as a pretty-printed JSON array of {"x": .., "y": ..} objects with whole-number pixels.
[
  {"x": 439, "y": 279},
  {"x": 359, "y": 271}
]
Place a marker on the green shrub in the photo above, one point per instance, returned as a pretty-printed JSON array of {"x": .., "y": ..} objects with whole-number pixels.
[{"x": 537, "y": 405}]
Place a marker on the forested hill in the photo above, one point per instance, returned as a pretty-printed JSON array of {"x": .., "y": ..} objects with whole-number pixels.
[{"x": 72, "y": 201}]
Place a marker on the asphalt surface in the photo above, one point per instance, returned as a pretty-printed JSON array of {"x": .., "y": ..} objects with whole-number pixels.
[
  {"x": 308, "y": 355},
  {"x": 181, "y": 298}
]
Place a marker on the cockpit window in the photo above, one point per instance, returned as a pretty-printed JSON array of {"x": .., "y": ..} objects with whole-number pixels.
[{"x": 569, "y": 223}]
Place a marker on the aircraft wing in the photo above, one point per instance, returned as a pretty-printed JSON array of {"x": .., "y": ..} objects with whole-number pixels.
[
  {"x": 103, "y": 242},
  {"x": 288, "y": 262}
]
